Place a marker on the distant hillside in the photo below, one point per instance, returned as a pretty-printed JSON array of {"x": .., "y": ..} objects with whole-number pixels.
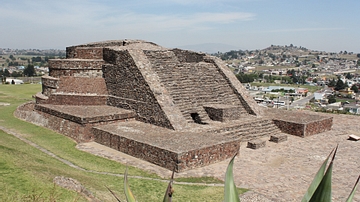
[
  {"x": 210, "y": 47},
  {"x": 276, "y": 50}
]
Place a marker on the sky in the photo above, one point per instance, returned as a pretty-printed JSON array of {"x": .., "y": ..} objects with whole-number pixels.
[{"x": 324, "y": 25}]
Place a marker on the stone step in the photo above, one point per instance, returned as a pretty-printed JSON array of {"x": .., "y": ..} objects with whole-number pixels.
[
  {"x": 246, "y": 128},
  {"x": 82, "y": 85},
  {"x": 83, "y": 64},
  {"x": 86, "y": 113},
  {"x": 89, "y": 53},
  {"x": 249, "y": 131},
  {"x": 250, "y": 122},
  {"x": 252, "y": 135},
  {"x": 75, "y": 99}
]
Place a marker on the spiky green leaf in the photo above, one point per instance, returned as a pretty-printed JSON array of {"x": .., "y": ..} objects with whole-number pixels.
[
  {"x": 169, "y": 189},
  {"x": 316, "y": 181},
  {"x": 230, "y": 190},
  {"x": 129, "y": 195},
  {"x": 113, "y": 194},
  {"x": 323, "y": 191},
  {"x": 351, "y": 196}
]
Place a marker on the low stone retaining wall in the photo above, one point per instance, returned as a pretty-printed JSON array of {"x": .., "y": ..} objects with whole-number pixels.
[
  {"x": 304, "y": 129},
  {"x": 64, "y": 124},
  {"x": 180, "y": 161},
  {"x": 73, "y": 99},
  {"x": 300, "y": 123}
]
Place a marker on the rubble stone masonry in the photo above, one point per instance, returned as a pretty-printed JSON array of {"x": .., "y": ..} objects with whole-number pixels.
[{"x": 175, "y": 108}]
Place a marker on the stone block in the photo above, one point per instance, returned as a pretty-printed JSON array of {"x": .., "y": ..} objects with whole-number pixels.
[
  {"x": 278, "y": 138},
  {"x": 256, "y": 144},
  {"x": 221, "y": 112}
]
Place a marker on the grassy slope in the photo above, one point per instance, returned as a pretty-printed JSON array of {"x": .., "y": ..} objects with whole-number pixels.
[{"x": 25, "y": 170}]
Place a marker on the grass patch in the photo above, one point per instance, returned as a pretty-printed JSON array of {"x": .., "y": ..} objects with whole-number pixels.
[
  {"x": 27, "y": 173},
  {"x": 207, "y": 180}
]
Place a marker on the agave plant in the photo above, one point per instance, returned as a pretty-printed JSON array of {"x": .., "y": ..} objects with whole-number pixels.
[
  {"x": 230, "y": 190},
  {"x": 320, "y": 188}
]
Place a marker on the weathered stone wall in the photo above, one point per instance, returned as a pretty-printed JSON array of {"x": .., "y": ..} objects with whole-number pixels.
[
  {"x": 89, "y": 52},
  {"x": 127, "y": 88},
  {"x": 71, "y": 51},
  {"x": 185, "y": 56},
  {"x": 84, "y": 64},
  {"x": 61, "y": 123},
  {"x": 78, "y": 132},
  {"x": 158, "y": 156},
  {"x": 292, "y": 128},
  {"x": 86, "y": 114},
  {"x": 75, "y": 67},
  {"x": 299, "y": 123},
  {"x": 208, "y": 155},
  {"x": 166, "y": 158},
  {"x": 50, "y": 82},
  {"x": 223, "y": 112},
  {"x": 95, "y": 73},
  {"x": 306, "y": 128},
  {"x": 75, "y": 99},
  {"x": 49, "y": 85},
  {"x": 318, "y": 126},
  {"x": 82, "y": 85}
]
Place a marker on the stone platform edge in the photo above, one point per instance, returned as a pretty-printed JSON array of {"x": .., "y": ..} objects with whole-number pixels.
[
  {"x": 172, "y": 160},
  {"x": 77, "y": 131},
  {"x": 304, "y": 129}
]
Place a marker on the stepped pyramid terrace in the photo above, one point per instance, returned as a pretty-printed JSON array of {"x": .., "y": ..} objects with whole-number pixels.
[{"x": 175, "y": 108}]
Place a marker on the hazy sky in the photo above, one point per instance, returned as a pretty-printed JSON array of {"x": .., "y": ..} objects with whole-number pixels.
[{"x": 326, "y": 25}]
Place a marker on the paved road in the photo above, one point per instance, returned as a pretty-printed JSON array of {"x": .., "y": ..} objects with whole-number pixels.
[{"x": 302, "y": 102}]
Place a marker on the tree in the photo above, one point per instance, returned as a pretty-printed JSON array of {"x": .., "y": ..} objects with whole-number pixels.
[
  {"x": 331, "y": 99},
  {"x": 16, "y": 74},
  {"x": 29, "y": 70},
  {"x": 12, "y": 57},
  {"x": 354, "y": 88},
  {"x": 332, "y": 83},
  {"x": 6, "y": 73},
  {"x": 247, "y": 78},
  {"x": 340, "y": 85},
  {"x": 348, "y": 76},
  {"x": 36, "y": 59}
]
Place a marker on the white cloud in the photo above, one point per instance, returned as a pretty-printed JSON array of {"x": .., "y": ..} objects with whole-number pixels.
[
  {"x": 79, "y": 14},
  {"x": 149, "y": 22}
]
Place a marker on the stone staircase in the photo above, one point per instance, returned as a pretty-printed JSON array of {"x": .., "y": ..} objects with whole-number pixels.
[
  {"x": 192, "y": 86},
  {"x": 249, "y": 129}
]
